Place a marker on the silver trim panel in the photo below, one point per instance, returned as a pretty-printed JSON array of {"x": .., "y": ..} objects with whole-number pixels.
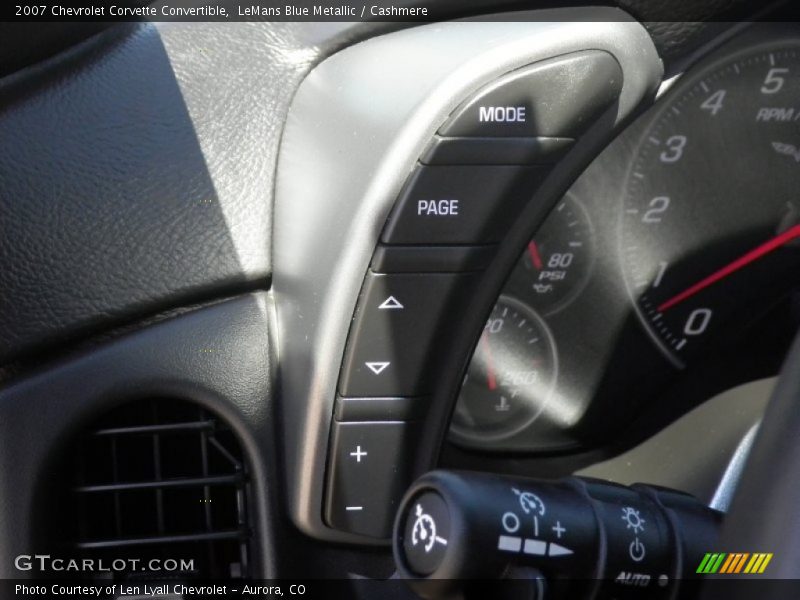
[{"x": 356, "y": 128}]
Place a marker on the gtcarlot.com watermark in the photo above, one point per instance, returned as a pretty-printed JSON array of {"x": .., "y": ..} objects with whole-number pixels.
[{"x": 45, "y": 563}]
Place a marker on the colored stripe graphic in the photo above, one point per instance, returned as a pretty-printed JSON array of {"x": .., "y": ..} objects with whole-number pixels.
[
  {"x": 715, "y": 567},
  {"x": 732, "y": 558},
  {"x": 711, "y": 563},
  {"x": 763, "y": 567},
  {"x": 703, "y": 563},
  {"x": 733, "y": 563},
  {"x": 758, "y": 563},
  {"x": 752, "y": 563},
  {"x": 741, "y": 562}
]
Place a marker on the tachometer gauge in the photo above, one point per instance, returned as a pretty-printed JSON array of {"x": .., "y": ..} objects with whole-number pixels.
[
  {"x": 511, "y": 376},
  {"x": 711, "y": 217},
  {"x": 556, "y": 263}
]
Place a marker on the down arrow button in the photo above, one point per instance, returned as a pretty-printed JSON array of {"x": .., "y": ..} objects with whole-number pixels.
[{"x": 396, "y": 336}]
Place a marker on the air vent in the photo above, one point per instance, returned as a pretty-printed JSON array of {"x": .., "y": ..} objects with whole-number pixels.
[{"x": 157, "y": 481}]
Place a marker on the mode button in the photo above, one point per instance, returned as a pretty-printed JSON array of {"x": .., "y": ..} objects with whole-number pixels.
[{"x": 560, "y": 97}]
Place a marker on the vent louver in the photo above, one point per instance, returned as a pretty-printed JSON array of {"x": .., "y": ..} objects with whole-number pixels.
[{"x": 161, "y": 480}]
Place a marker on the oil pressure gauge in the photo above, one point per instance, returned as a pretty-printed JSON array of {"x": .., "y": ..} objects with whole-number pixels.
[
  {"x": 556, "y": 263},
  {"x": 511, "y": 376}
]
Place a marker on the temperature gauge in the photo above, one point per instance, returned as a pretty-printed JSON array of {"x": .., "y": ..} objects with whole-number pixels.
[{"x": 511, "y": 376}]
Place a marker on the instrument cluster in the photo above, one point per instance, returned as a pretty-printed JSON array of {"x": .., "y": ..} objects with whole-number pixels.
[{"x": 669, "y": 272}]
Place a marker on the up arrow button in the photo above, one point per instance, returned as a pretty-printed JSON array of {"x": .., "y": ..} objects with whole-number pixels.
[
  {"x": 391, "y": 303},
  {"x": 396, "y": 337}
]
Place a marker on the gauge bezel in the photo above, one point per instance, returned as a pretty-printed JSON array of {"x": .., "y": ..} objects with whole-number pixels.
[{"x": 471, "y": 438}]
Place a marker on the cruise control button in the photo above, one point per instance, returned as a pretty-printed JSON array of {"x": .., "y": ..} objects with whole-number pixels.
[
  {"x": 369, "y": 471},
  {"x": 400, "y": 318},
  {"x": 425, "y": 534},
  {"x": 560, "y": 97},
  {"x": 461, "y": 204}
]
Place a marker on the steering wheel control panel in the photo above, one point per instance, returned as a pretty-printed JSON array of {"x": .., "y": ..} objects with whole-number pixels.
[
  {"x": 413, "y": 168},
  {"x": 469, "y": 187},
  {"x": 589, "y": 539},
  {"x": 472, "y": 181}
]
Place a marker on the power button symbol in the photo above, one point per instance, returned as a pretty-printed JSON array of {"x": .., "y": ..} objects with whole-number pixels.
[{"x": 637, "y": 550}]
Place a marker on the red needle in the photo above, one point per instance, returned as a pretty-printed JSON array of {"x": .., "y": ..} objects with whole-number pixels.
[
  {"x": 741, "y": 262},
  {"x": 492, "y": 379},
  {"x": 536, "y": 258}
]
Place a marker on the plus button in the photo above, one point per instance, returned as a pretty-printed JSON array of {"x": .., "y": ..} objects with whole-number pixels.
[
  {"x": 559, "y": 529},
  {"x": 358, "y": 454}
]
